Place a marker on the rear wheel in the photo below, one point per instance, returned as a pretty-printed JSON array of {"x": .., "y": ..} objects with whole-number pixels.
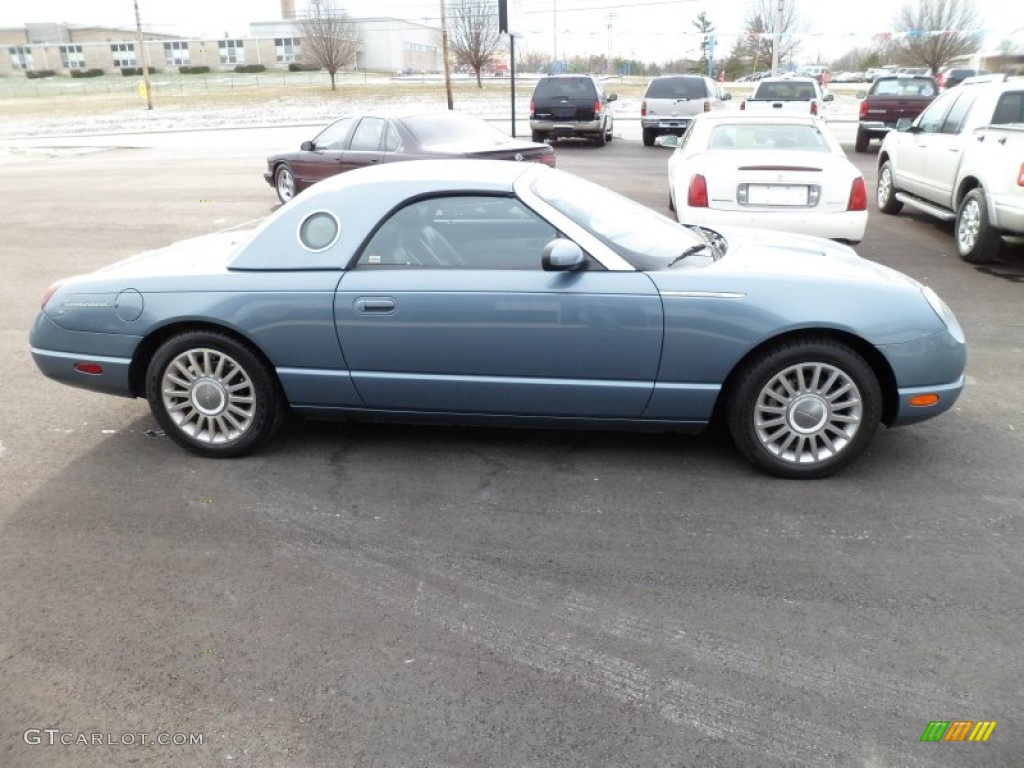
[
  {"x": 284, "y": 182},
  {"x": 885, "y": 193},
  {"x": 649, "y": 136},
  {"x": 805, "y": 409},
  {"x": 976, "y": 241},
  {"x": 539, "y": 136},
  {"x": 601, "y": 138},
  {"x": 212, "y": 394},
  {"x": 863, "y": 139}
]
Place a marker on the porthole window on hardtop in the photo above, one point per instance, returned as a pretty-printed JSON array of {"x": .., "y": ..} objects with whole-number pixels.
[{"x": 319, "y": 231}]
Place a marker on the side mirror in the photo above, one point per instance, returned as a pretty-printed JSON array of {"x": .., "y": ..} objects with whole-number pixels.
[
  {"x": 861, "y": 94},
  {"x": 667, "y": 140},
  {"x": 611, "y": 96},
  {"x": 306, "y": 146},
  {"x": 561, "y": 255},
  {"x": 903, "y": 124},
  {"x": 727, "y": 97},
  {"x": 828, "y": 97}
]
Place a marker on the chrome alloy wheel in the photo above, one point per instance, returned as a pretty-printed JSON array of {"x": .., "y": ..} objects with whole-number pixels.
[
  {"x": 884, "y": 191},
  {"x": 208, "y": 396},
  {"x": 285, "y": 184},
  {"x": 808, "y": 413},
  {"x": 969, "y": 226}
]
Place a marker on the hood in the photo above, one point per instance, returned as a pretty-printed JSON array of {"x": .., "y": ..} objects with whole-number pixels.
[{"x": 787, "y": 254}]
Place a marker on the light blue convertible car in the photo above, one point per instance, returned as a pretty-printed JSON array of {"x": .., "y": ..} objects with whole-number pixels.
[{"x": 471, "y": 291}]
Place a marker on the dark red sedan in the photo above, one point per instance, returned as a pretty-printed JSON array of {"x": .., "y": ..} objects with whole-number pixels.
[{"x": 355, "y": 141}]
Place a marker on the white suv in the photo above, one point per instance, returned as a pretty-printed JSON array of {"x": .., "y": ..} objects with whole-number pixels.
[{"x": 671, "y": 101}]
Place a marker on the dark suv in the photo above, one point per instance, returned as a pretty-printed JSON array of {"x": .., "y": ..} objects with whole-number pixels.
[
  {"x": 571, "y": 106},
  {"x": 953, "y": 76}
]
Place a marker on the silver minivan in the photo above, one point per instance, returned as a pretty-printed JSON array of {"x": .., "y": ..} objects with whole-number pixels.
[{"x": 671, "y": 101}]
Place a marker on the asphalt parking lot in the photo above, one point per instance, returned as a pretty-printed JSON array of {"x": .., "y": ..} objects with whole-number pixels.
[{"x": 413, "y": 596}]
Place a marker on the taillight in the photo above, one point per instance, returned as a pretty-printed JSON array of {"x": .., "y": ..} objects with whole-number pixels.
[
  {"x": 858, "y": 196},
  {"x": 697, "y": 194},
  {"x": 1020, "y": 176},
  {"x": 643, "y": 108},
  {"x": 940, "y": 79},
  {"x": 863, "y": 109},
  {"x": 533, "y": 108},
  {"x": 743, "y": 104},
  {"x": 597, "y": 108},
  {"x": 49, "y": 293},
  {"x": 707, "y": 106},
  {"x": 548, "y": 159},
  {"x": 814, "y": 107}
]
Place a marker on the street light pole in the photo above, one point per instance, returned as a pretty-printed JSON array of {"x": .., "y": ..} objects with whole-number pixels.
[
  {"x": 444, "y": 51},
  {"x": 776, "y": 34}
]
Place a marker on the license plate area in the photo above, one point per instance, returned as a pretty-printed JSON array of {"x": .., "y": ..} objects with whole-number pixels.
[{"x": 778, "y": 195}]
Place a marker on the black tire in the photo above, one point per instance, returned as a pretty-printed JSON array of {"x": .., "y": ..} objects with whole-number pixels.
[
  {"x": 539, "y": 136},
  {"x": 649, "y": 136},
  {"x": 610, "y": 133},
  {"x": 213, "y": 395},
  {"x": 863, "y": 139},
  {"x": 600, "y": 139},
  {"x": 284, "y": 184},
  {"x": 805, "y": 408},
  {"x": 885, "y": 192},
  {"x": 671, "y": 202},
  {"x": 976, "y": 241}
]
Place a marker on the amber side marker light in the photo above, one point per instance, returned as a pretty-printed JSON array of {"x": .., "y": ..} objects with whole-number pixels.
[
  {"x": 93, "y": 369},
  {"x": 920, "y": 401}
]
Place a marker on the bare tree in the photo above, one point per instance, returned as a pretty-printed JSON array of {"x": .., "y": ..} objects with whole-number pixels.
[
  {"x": 932, "y": 32},
  {"x": 330, "y": 37},
  {"x": 473, "y": 36},
  {"x": 754, "y": 49}
]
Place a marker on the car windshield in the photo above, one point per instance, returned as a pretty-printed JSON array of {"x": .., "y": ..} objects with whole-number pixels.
[
  {"x": 646, "y": 239},
  {"x": 450, "y": 128},
  {"x": 676, "y": 88},
  {"x": 569, "y": 87},
  {"x": 747, "y": 135},
  {"x": 905, "y": 86}
]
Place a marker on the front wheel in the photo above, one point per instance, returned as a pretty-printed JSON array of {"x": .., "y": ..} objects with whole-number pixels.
[
  {"x": 212, "y": 394},
  {"x": 804, "y": 409},
  {"x": 976, "y": 241},
  {"x": 284, "y": 183},
  {"x": 885, "y": 193}
]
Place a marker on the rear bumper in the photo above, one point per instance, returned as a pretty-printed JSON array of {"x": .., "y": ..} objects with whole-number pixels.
[
  {"x": 558, "y": 128},
  {"x": 842, "y": 225},
  {"x": 56, "y": 350},
  {"x": 875, "y": 128},
  {"x": 677, "y": 126}
]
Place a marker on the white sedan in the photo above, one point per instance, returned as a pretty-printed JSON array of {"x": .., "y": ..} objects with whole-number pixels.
[{"x": 783, "y": 172}]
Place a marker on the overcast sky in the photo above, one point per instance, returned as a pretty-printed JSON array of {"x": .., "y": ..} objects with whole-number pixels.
[{"x": 649, "y": 30}]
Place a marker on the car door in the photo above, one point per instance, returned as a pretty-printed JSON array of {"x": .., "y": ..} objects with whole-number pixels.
[
  {"x": 366, "y": 145},
  {"x": 916, "y": 145},
  {"x": 946, "y": 151},
  {"x": 324, "y": 156},
  {"x": 448, "y": 309}
]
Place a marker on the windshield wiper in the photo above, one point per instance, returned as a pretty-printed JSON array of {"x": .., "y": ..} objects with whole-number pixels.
[{"x": 690, "y": 252}]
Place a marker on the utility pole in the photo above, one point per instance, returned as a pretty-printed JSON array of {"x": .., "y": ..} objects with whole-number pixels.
[
  {"x": 776, "y": 34},
  {"x": 444, "y": 51},
  {"x": 144, "y": 57}
]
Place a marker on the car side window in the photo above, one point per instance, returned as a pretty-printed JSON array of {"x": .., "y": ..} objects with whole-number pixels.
[
  {"x": 333, "y": 136},
  {"x": 1010, "y": 109},
  {"x": 954, "y": 121},
  {"x": 464, "y": 232},
  {"x": 392, "y": 141},
  {"x": 930, "y": 121},
  {"x": 368, "y": 134}
]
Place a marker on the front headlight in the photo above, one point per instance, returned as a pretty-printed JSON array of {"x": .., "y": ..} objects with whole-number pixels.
[{"x": 945, "y": 313}]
